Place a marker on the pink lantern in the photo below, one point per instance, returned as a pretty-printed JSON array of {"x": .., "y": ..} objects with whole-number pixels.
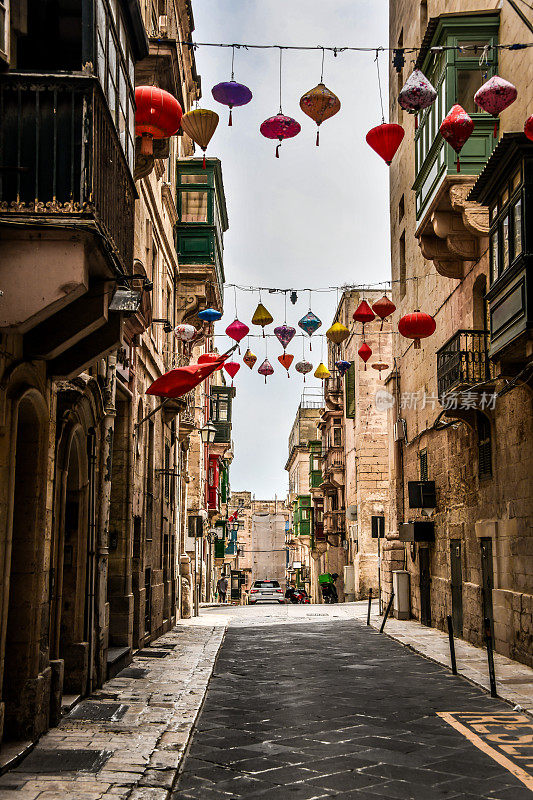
[
  {"x": 494, "y": 96},
  {"x": 303, "y": 367},
  {"x": 284, "y": 333},
  {"x": 266, "y": 368},
  {"x": 237, "y": 330},
  {"x": 232, "y": 368},
  {"x": 280, "y": 127}
]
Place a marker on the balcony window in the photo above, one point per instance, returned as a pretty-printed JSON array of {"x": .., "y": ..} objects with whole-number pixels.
[
  {"x": 506, "y": 235},
  {"x": 194, "y": 207}
]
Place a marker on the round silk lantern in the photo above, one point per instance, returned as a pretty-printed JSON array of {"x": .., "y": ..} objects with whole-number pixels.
[
  {"x": 379, "y": 366},
  {"x": 363, "y": 313},
  {"x": 232, "y": 368},
  {"x": 343, "y": 367},
  {"x": 262, "y": 317},
  {"x": 237, "y": 330},
  {"x": 286, "y": 360},
  {"x": 456, "y": 128},
  {"x": 494, "y": 97},
  {"x": 266, "y": 368},
  {"x": 209, "y": 315},
  {"x": 528, "y": 127},
  {"x": 185, "y": 333},
  {"x": 231, "y": 94},
  {"x": 338, "y": 333},
  {"x": 322, "y": 372},
  {"x": 280, "y": 127},
  {"x": 320, "y": 104},
  {"x": 303, "y": 367},
  {"x": 249, "y": 358},
  {"x": 416, "y": 326},
  {"x": 284, "y": 334},
  {"x": 157, "y": 115},
  {"x": 200, "y": 124},
  {"x": 385, "y": 139},
  {"x": 417, "y": 93},
  {"x": 364, "y": 352}
]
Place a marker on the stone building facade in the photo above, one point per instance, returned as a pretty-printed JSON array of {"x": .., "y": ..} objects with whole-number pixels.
[{"x": 460, "y": 432}]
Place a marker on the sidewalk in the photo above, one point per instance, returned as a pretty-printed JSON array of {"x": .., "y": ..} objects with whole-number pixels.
[
  {"x": 514, "y": 681},
  {"x": 130, "y": 736}
]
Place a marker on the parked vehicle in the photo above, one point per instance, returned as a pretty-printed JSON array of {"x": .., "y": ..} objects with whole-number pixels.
[
  {"x": 328, "y": 588},
  {"x": 297, "y": 595},
  {"x": 266, "y": 592}
]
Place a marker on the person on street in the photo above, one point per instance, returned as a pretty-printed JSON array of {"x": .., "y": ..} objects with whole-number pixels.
[{"x": 222, "y": 588}]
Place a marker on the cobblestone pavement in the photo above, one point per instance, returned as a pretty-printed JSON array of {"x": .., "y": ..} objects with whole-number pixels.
[{"x": 312, "y": 704}]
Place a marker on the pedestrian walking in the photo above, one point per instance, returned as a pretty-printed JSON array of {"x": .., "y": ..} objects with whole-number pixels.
[{"x": 222, "y": 588}]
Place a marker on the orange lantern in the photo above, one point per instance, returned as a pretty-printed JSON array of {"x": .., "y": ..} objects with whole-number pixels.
[{"x": 320, "y": 104}]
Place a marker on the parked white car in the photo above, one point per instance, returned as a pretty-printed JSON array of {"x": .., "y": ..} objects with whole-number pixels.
[{"x": 266, "y": 592}]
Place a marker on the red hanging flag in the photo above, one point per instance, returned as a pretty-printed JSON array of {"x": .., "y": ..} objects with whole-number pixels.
[{"x": 181, "y": 380}]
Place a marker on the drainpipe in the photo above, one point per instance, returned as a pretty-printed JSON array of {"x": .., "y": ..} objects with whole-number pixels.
[{"x": 104, "y": 500}]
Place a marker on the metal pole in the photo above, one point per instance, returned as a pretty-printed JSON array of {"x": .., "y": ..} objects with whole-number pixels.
[
  {"x": 369, "y": 606},
  {"x": 452, "y": 644},
  {"x": 387, "y": 612},
  {"x": 379, "y": 572},
  {"x": 490, "y": 656}
]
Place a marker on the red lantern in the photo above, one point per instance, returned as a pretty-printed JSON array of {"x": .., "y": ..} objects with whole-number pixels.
[
  {"x": 528, "y": 127},
  {"x": 457, "y": 128},
  {"x": 286, "y": 360},
  {"x": 383, "y": 308},
  {"x": 385, "y": 139},
  {"x": 364, "y": 352},
  {"x": 363, "y": 313},
  {"x": 417, "y": 325},
  {"x": 157, "y": 116}
]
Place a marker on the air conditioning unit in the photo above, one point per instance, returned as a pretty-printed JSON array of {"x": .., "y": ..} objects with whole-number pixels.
[
  {"x": 417, "y": 531},
  {"x": 399, "y": 431}
]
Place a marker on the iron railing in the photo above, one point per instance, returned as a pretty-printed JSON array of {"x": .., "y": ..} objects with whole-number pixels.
[
  {"x": 463, "y": 361},
  {"x": 61, "y": 158},
  {"x": 223, "y": 433}
]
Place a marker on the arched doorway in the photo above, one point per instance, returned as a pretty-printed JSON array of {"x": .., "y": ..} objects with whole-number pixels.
[{"x": 24, "y": 689}]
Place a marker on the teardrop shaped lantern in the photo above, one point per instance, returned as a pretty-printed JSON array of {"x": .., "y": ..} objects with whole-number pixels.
[
  {"x": 320, "y": 104},
  {"x": 322, "y": 372},
  {"x": 209, "y": 315},
  {"x": 495, "y": 96},
  {"x": 417, "y": 325},
  {"x": 280, "y": 127},
  {"x": 266, "y": 368},
  {"x": 417, "y": 93},
  {"x": 232, "y": 368},
  {"x": 208, "y": 358},
  {"x": 385, "y": 139},
  {"x": 231, "y": 94},
  {"x": 185, "y": 333},
  {"x": 262, "y": 317},
  {"x": 157, "y": 115},
  {"x": 343, "y": 367},
  {"x": 379, "y": 366},
  {"x": 364, "y": 352},
  {"x": 456, "y": 128},
  {"x": 200, "y": 124},
  {"x": 303, "y": 367},
  {"x": 528, "y": 127},
  {"x": 383, "y": 308},
  {"x": 309, "y": 323},
  {"x": 286, "y": 360},
  {"x": 338, "y": 333},
  {"x": 285, "y": 333},
  {"x": 363, "y": 313},
  {"x": 249, "y": 358},
  {"x": 237, "y": 330}
]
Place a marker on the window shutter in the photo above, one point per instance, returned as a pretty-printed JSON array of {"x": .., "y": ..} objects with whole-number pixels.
[
  {"x": 349, "y": 383},
  {"x": 484, "y": 447}
]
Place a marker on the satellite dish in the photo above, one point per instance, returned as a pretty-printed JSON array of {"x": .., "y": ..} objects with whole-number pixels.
[{"x": 351, "y": 513}]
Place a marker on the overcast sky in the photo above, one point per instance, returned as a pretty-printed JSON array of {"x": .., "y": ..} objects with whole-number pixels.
[{"x": 316, "y": 217}]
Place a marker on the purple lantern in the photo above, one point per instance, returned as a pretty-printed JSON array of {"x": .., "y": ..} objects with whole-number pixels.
[
  {"x": 494, "y": 96},
  {"x": 266, "y": 368},
  {"x": 284, "y": 333},
  {"x": 231, "y": 93},
  {"x": 343, "y": 367},
  {"x": 303, "y": 367},
  {"x": 280, "y": 127}
]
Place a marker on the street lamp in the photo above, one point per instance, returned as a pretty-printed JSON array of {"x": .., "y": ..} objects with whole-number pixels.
[{"x": 208, "y": 433}]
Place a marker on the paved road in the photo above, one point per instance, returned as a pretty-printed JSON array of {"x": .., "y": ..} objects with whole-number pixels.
[{"x": 305, "y": 703}]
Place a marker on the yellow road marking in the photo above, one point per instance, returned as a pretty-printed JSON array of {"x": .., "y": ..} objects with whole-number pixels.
[{"x": 482, "y": 745}]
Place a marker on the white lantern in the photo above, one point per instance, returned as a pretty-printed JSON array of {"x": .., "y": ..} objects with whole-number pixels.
[{"x": 185, "y": 333}]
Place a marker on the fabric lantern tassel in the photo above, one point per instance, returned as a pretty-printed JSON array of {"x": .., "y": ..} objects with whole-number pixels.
[
  {"x": 364, "y": 352},
  {"x": 286, "y": 360},
  {"x": 262, "y": 317},
  {"x": 200, "y": 125},
  {"x": 416, "y": 326},
  {"x": 456, "y": 128},
  {"x": 280, "y": 127},
  {"x": 320, "y": 104},
  {"x": 495, "y": 96}
]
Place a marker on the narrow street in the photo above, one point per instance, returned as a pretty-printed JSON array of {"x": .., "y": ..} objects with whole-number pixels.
[{"x": 303, "y": 702}]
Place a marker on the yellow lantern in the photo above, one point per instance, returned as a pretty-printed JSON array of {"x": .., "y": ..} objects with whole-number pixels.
[
  {"x": 200, "y": 124},
  {"x": 322, "y": 372},
  {"x": 337, "y": 333},
  {"x": 262, "y": 317}
]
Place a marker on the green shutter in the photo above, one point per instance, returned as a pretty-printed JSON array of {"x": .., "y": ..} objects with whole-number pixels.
[{"x": 349, "y": 383}]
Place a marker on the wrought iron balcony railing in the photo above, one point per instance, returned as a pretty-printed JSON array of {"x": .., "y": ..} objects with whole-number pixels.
[
  {"x": 463, "y": 362},
  {"x": 60, "y": 157}
]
